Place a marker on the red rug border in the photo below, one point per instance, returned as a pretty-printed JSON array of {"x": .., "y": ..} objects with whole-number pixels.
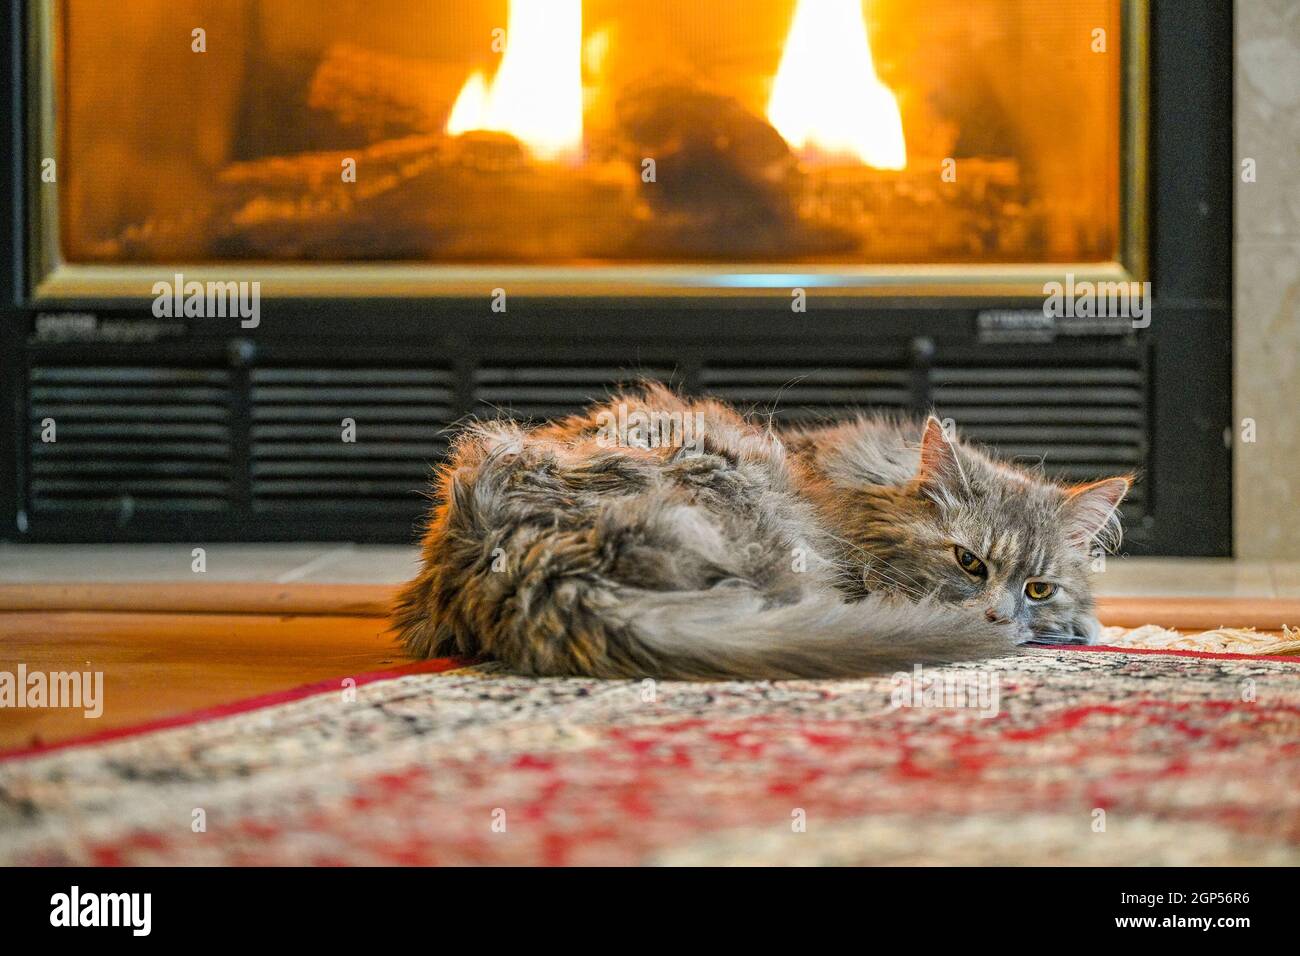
[{"x": 441, "y": 664}]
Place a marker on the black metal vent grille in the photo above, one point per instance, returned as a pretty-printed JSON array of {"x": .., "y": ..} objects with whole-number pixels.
[
  {"x": 1081, "y": 422},
  {"x": 536, "y": 393},
  {"x": 798, "y": 394},
  {"x": 129, "y": 439},
  {"x": 397, "y": 419},
  {"x": 260, "y": 451}
]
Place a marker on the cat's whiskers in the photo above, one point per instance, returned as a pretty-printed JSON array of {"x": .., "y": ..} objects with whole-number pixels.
[
  {"x": 891, "y": 575},
  {"x": 850, "y": 580},
  {"x": 874, "y": 568},
  {"x": 873, "y": 565}
]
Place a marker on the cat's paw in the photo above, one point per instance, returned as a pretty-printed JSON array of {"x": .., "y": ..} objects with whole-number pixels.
[
  {"x": 1083, "y": 630},
  {"x": 1089, "y": 628}
]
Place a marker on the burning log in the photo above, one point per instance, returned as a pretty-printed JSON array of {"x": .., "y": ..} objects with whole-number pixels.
[
  {"x": 290, "y": 205},
  {"x": 472, "y": 198},
  {"x": 725, "y": 179},
  {"x": 384, "y": 96}
]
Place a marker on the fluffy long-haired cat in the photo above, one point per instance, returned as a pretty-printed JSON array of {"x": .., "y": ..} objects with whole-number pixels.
[{"x": 659, "y": 536}]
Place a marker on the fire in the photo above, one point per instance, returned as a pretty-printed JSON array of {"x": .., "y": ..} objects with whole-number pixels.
[
  {"x": 826, "y": 98},
  {"x": 536, "y": 95}
]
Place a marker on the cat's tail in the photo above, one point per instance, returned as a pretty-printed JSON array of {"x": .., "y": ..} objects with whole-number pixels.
[{"x": 729, "y": 632}]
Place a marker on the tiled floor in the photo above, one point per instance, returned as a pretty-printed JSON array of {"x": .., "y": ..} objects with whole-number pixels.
[
  {"x": 278, "y": 563},
  {"x": 382, "y": 564}
]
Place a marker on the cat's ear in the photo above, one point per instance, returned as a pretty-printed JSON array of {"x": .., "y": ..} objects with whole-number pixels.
[
  {"x": 939, "y": 465},
  {"x": 1091, "y": 511}
]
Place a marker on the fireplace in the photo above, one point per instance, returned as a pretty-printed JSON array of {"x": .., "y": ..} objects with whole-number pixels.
[{"x": 805, "y": 206}]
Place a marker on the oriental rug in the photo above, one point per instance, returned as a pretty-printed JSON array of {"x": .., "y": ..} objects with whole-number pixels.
[{"x": 1055, "y": 756}]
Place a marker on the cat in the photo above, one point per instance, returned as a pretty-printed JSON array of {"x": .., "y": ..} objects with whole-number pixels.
[{"x": 606, "y": 545}]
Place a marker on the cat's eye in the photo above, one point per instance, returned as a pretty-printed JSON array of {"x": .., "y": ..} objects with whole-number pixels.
[
  {"x": 969, "y": 563},
  {"x": 1039, "y": 590}
]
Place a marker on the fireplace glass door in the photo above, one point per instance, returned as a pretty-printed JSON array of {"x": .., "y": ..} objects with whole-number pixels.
[{"x": 590, "y": 133}]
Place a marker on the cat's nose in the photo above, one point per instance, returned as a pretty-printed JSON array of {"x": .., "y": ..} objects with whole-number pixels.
[{"x": 1000, "y": 605}]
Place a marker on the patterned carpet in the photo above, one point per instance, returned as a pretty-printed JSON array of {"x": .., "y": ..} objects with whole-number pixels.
[{"x": 1070, "y": 756}]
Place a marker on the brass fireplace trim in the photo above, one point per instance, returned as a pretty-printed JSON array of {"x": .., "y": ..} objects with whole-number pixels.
[{"x": 52, "y": 280}]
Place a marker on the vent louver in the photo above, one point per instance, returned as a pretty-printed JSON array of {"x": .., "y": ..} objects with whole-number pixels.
[
  {"x": 538, "y": 393},
  {"x": 129, "y": 439},
  {"x": 808, "y": 394},
  {"x": 298, "y": 452},
  {"x": 1080, "y": 422}
]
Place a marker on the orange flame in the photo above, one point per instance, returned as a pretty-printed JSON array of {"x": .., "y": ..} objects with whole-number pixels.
[
  {"x": 826, "y": 99},
  {"x": 536, "y": 95}
]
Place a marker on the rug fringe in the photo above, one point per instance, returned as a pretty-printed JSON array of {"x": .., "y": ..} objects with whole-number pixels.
[{"x": 1222, "y": 640}]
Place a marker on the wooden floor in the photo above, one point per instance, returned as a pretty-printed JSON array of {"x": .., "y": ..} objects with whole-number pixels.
[
  {"x": 166, "y": 649},
  {"x": 162, "y": 664}
]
